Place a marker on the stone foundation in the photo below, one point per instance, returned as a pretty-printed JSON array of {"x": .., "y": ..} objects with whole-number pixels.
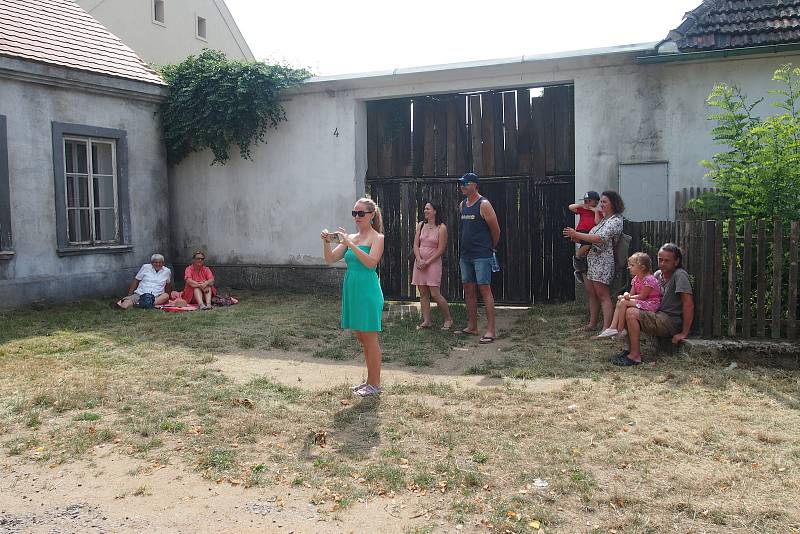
[{"x": 302, "y": 278}]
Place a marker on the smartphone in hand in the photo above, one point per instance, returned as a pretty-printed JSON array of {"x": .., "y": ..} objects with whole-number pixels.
[{"x": 333, "y": 237}]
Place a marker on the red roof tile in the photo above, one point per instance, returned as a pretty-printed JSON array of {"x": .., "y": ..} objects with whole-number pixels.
[
  {"x": 721, "y": 24},
  {"x": 60, "y": 32}
]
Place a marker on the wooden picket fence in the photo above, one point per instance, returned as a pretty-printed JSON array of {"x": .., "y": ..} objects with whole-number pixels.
[
  {"x": 686, "y": 195},
  {"x": 744, "y": 273}
]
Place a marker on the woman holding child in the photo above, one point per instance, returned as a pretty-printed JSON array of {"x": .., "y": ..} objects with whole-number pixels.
[
  {"x": 602, "y": 238},
  {"x": 430, "y": 242},
  {"x": 362, "y": 298}
]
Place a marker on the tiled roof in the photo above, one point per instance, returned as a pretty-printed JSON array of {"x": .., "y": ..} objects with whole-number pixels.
[
  {"x": 721, "y": 24},
  {"x": 59, "y": 32}
]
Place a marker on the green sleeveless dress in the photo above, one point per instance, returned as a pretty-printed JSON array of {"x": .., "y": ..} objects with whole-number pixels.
[{"x": 362, "y": 298}]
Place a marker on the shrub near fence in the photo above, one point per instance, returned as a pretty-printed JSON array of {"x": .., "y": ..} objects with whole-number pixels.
[{"x": 744, "y": 273}]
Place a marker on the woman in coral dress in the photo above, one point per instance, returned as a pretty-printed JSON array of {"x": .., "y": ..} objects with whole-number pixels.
[
  {"x": 430, "y": 242},
  {"x": 199, "y": 282}
]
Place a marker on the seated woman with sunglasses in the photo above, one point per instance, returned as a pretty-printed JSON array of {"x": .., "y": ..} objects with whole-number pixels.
[
  {"x": 362, "y": 298},
  {"x": 199, "y": 282}
]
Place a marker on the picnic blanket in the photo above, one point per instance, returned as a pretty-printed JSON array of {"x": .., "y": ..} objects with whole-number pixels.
[{"x": 171, "y": 307}]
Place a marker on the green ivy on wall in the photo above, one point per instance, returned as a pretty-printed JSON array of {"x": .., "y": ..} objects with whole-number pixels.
[{"x": 216, "y": 102}]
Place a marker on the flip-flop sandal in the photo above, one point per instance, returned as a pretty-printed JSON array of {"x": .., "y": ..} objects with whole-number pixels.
[
  {"x": 447, "y": 327},
  {"x": 624, "y": 361},
  {"x": 465, "y": 332},
  {"x": 423, "y": 327},
  {"x": 485, "y": 340}
]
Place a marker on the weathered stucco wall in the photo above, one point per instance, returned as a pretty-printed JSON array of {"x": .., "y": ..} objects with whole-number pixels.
[
  {"x": 270, "y": 211},
  {"x": 36, "y": 271},
  {"x": 176, "y": 38}
]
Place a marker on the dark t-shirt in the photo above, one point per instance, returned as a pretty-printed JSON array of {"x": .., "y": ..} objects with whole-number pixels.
[{"x": 671, "y": 290}]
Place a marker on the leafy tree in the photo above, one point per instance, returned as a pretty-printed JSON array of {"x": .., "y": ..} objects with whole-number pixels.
[
  {"x": 215, "y": 102},
  {"x": 758, "y": 174}
]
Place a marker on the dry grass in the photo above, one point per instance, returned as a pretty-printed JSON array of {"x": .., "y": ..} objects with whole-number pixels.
[{"x": 679, "y": 444}]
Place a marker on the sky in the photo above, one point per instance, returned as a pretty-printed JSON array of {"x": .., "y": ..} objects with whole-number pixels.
[{"x": 354, "y": 36}]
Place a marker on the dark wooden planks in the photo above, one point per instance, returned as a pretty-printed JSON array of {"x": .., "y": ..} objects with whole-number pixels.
[
  {"x": 761, "y": 283},
  {"x": 492, "y": 133},
  {"x": 707, "y": 278},
  {"x": 777, "y": 274},
  {"x": 372, "y": 139},
  {"x": 475, "y": 131},
  {"x": 457, "y": 148},
  {"x": 511, "y": 157},
  {"x": 791, "y": 298},
  {"x": 717, "y": 321},
  {"x": 732, "y": 278},
  {"x": 747, "y": 281},
  {"x": 440, "y": 136},
  {"x": 538, "y": 128}
]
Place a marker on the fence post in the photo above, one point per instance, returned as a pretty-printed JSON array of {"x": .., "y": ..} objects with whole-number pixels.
[
  {"x": 791, "y": 310},
  {"x": 761, "y": 273},
  {"x": 747, "y": 280},
  {"x": 732, "y": 277},
  {"x": 709, "y": 264},
  {"x": 777, "y": 276},
  {"x": 717, "y": 322}
]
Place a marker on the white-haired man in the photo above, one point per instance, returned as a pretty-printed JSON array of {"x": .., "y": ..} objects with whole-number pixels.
[{"x": 152, "y": 279}]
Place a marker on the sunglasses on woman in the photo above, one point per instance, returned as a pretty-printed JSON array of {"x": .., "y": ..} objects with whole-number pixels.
[
  {"x": 199, "y": 258},
  {"x": 359, "y": 213}
]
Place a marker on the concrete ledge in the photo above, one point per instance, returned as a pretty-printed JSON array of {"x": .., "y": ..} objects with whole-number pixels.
[
  {"x": 308, "y": 278},
  {"x": 107, "y": 249},
  {"x": 763, "y": 347}
]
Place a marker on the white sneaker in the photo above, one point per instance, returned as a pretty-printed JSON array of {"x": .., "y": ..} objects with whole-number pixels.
[{"x": 608, "y": 332}]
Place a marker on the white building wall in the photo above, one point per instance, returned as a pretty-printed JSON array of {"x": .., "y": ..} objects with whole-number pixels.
[
  {"x": 171, "y": 42},
  {"x": 270, "y": 211}
]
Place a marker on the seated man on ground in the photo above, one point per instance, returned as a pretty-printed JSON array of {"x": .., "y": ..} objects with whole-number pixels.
[
  {"x": 675, "y": 314},
  {"x": 153, "y": 279}
]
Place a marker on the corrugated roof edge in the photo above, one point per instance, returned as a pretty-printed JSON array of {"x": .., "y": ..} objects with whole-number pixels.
[{"x": 571, "y": 54}]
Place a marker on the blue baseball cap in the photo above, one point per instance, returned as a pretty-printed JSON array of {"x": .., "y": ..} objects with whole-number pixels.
[{"x": 469, "y": 177}]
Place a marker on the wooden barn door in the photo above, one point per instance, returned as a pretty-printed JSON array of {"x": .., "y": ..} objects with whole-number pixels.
[{"x": 520, "y": 142}]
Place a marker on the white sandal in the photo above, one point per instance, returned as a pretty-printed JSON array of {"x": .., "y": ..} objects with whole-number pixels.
[{"x": 368, "y": 391}]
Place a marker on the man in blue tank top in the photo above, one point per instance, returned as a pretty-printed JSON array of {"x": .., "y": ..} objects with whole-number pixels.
[{"x": 480, "y": 233}]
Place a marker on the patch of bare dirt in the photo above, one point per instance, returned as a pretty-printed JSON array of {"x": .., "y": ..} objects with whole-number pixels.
[{"x": 117, "y": 493}]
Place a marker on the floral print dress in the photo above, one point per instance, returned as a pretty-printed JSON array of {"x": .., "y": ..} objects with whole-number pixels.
[{"x": 601, "y": 256}]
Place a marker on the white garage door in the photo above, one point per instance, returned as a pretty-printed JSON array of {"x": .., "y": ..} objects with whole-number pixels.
[{"x": 645, "y": 189}]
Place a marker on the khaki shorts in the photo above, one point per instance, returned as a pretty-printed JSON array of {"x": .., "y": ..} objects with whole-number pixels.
[
  {"x": 133, "y": 298},
  {"x": 658, "y": 324}
]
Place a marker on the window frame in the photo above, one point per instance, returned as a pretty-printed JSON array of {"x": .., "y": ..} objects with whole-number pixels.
[
  {"x": 154, "y": 12},
  {"x": 90, "y": 143},
  {"x": 6, "y": 241},
  {"x": 63, "y": 132},
  {"x": 197, "y": 19}
]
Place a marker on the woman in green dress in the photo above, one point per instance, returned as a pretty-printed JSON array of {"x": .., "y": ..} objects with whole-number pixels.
[{"x": 362, "y": 298}]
